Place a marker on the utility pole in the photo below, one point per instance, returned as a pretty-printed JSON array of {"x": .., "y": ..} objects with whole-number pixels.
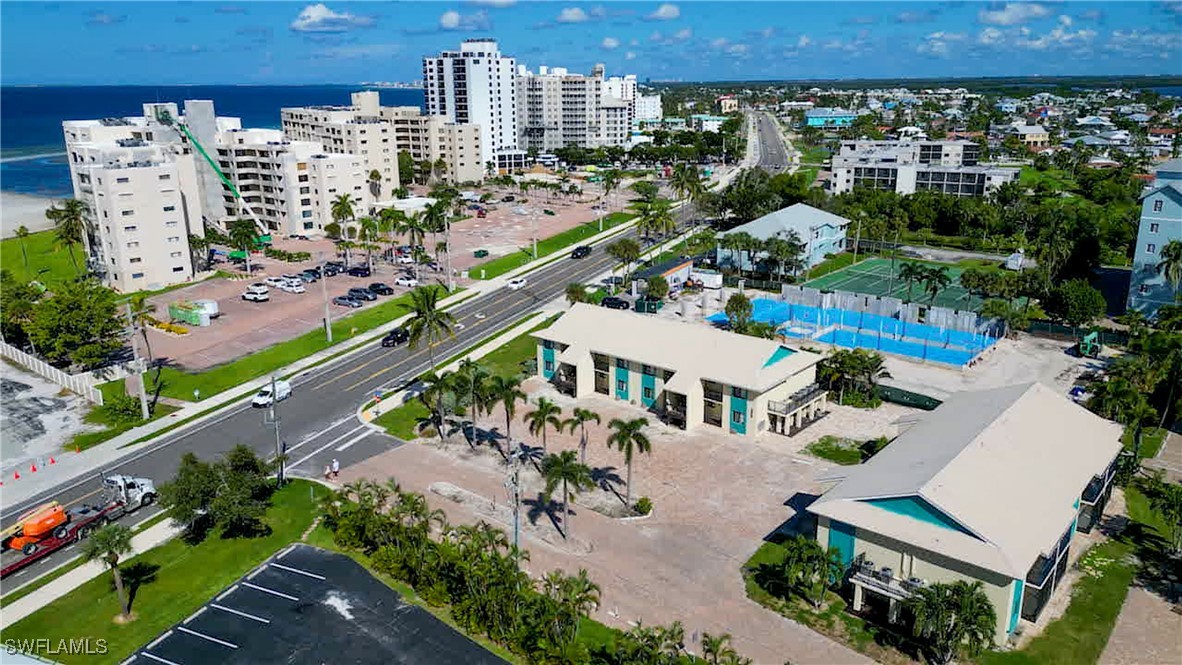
[
  {"x": 324, "y": 294},
  {"x": 535, "y": 216},
  {"x": 135, "y": 354},
  {"x": 451, "y": 283},
  {"x": 273, "y": 420},
  {"x": 513, "y": 484}
]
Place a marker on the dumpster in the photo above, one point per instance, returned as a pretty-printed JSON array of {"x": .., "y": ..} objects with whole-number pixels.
[
  {"x": 647, "y": 306},
  {"x": 480, "y": 253}
]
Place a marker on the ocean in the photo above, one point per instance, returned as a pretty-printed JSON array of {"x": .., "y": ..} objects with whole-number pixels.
[{"x": 31, "y": 144}]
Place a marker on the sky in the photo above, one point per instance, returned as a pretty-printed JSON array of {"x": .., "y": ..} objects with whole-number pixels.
[{"x": 156, "y": 43}]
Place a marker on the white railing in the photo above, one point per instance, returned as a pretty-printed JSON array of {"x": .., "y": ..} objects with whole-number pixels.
[{"x": 82, "y": 384}]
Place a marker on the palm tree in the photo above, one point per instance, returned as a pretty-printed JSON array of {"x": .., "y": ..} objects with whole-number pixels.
[
  {"x": 474, "y": 375},
  {"x": 626, "y": 251},
  {"x": 1170, "y": 266},
  {"x": 576, "y": 293},
  {"x": 610, "y": 181},
  {"x": 910, "y": 273},
  {"x": 375, "y": 183},
  {"x": 548, "y": 414},
  {"x": 950, "y": 615},
  {"x": 579, "y": 419},
  {"x": 69, "y": 222},
  {"x": 22, "y": 232},
  {"x": 141, "y": 316},
  {"x": 574, "y": 476},
  {"x": 935, "y": 280},
  {"x": 628, "y": 436},
  {"x": 199, "y": 250},
  {"x": 429, "y": 324},
  {"x": 108, "y": 545},
  {"x": 507, "y": 391},
  {"x": 243, "y": 234},
  {"x": 687, "y": 183},
  {"x": 785, "y": 253}
]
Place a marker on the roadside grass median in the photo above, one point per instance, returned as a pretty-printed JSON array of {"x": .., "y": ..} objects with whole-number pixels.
[
  {"x": 180, "y": 384},
  {"x": 111, "y": 419},
  {"x": 506, "y": 360},
  {"x": 169, "y": 582},
  {"x": 555, "y": 243}
]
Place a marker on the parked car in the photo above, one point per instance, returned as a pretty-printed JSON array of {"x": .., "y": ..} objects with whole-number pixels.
[
  {"x": 614, "y": 280},
  {"x": 381, "y": 289},
  {"x": 264, "y": 397},
  {"x": 407, "y": 281},
  {"x": 293, "y": 287},
  {"x": 292, "y": 278},
  {"x": 310, "y": 275},
  {"x": 359, "y": 271},
  {"x": 405, "y": 258},
  {"x": 276, "y": 281},
  {"x": 508, "y": 198},
  {"x": 332, "y": 270},
  {"x": 613, "y": 302},
  {"x": 395, "y": 337},
  {"x": 257, "y": 292},
  {"x": 346, "y": 301},
  {"x": 516, "y": 283},
  {"x": 361, "y": 293},
  {"x": 581, "y": 252}
]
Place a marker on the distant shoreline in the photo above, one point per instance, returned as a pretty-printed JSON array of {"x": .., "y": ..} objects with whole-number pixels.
[
  {"x": 23, "y": 210},
  {"x": 40, "y": 155}
]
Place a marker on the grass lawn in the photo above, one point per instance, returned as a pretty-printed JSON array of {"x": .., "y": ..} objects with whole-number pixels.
[
  {"x": 506, "y": 360},
  {"x": 181, "y": 384},
  {"x": 47, "y": 263},
  {"x": 501, "y": 265},
  {"x": 831, "y": 264},
  {"x": 814, "y": 155},
  {"x": 836, "y": 449},
  {"x": 177, "y": 578},
  {"x": 112, "y": 427},
  {"x": 1151, "y": 441},
  {"x": 1054, "y": 178}
]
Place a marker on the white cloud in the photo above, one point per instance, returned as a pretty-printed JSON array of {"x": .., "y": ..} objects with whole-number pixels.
[
  {"x": 629, "y": 56},
  {"x": 1013, "y": 13},
  {"x": 767, "y": 33},
  {"x": 737, "y": 49},
  {"x": 633, "y": 42},
  {"x": 1135, "y": 41},
  {"x": 319, "y": 18},
  {"x": 720, "y": 42},
  {"x": 453, "y": 20},
  {"x": 937, "y": 43},
  {"x": 683, "y": 34},
  {"x": 666, "y": 12},
  {"x": 656, "y": 36},
  {"x": 990, "y": 37},
  {"x": 572, "y": 15},
  {"x": 1065, "y": 20},
  {"x": 495, "y": 3},
  {"x": 1056, "y": 38},
  {"x": 610, "y": 43},
  {"x": 354, "y": 51},
  {"x": 803, "y": 42}
]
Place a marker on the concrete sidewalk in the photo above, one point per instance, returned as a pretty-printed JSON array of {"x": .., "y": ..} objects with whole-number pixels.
[{"x": 153, "y": 536}]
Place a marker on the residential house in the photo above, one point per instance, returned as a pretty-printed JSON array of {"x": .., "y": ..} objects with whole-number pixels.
[
  {"x": 1161, "y": 222},
  {"x": 822, "y": 233},
  {"x": 990, "y": 487},
  {"x": 690, "y": 375},
  {"x": 829, "y": 117},
  {"x": 1034, "y": 137},
  {"x": 1094, "y": 122}
]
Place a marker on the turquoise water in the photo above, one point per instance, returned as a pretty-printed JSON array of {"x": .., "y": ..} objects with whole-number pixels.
[{"x": 867, "y": 331}]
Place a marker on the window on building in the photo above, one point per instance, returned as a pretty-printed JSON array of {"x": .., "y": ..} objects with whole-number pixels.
[
  {"x": 122, "y": 180},
  {"x": 621, "y": 363},
  {"x": 127, "y": 213},
  {"x": 165, "y": 176},
  {"x": 621, "y": 385},
  {"x": 1143, "y": 289},
  {"x": 129, "y": 229},
  {"x": 306, "y": 213},
  {"x": 737, "y": 417},
  {"x": 171, "y": 224},
  {"x": 1157, "y": 205},
  {"x": 1153, "y": 228},
  {"x": 178, "y": 268},
  {"x": 135, "y": 259},
  {"x": 738, "y": 392},
  {"x": 549, "y": 365},
  {"x": 305, "y": 202},
  {"x": 649, "y": 393},
  {"x": 132, "y": 245},
  {"x": 169, "y": 208},
  {"x": 303, "y": 178},
  {"x": 137, "y": 275},
  {"x": 305, "y": 190},
  {"x": 1151, "y": 248}
]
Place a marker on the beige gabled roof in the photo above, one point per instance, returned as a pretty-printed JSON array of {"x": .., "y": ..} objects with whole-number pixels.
[
  {"x": 694, "y": 349},
  {"x": 1005, "y": 464}
]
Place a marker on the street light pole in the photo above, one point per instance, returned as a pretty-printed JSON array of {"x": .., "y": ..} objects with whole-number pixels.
[
  {"x": 135, "y": 355},
  {"x": 324, "y": 294},
  {"x": 273, "y": 420},
  {"x": 513, "y": 484},
  {"x": 535, "y": 216}
]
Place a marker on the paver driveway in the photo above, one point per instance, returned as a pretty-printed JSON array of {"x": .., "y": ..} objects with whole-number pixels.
[{"x": 715, "y": 497}]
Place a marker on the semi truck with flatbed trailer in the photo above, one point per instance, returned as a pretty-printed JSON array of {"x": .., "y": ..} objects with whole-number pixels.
[{"x": 51, "y": 527}]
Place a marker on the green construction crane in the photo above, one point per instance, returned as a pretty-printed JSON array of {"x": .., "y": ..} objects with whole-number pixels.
[{"x": 165, "y": 118}]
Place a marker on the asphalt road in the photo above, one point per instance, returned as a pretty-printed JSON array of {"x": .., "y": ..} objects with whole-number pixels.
[
  {"x": 318, "y": 421},
  {"x": 773, "y": 156}
]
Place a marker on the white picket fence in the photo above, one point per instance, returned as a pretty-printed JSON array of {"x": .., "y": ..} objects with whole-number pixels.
[{"x": 82, "y": 384}]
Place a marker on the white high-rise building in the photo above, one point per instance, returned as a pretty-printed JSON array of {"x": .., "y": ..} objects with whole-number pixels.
[
  {"x": 357, "y": 129},
  {"x": 431, "y": 138},
  {"x": 139, "y": 184},
  {"x": 621, "y": 87},
  {"x": 648, "y": 107},
  {"x": 557, "y": 109},
  {"x": 475, "y": 86}
]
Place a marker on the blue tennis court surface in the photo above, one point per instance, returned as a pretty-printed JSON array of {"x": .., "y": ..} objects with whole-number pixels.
[{"x": 867, "y": 331}]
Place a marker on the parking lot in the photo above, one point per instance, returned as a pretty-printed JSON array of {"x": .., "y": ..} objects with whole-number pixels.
[
  {"x": 245, "y": 327},
  {"x": 311, "y": 606}
]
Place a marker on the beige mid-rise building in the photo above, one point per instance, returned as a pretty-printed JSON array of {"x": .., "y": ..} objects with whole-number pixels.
[
  {"x": 432, "y": 138},
  {"x": 358, "y": 130},
  {"x": 557, "y": 108}
]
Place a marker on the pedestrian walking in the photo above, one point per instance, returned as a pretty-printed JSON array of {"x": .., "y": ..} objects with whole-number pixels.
[
  {"x": 336, "y": 468},
  {"x": 327, "y": 472}
]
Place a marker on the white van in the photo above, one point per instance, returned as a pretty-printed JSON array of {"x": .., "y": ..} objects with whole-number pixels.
[{"x": 264, "y": 398}]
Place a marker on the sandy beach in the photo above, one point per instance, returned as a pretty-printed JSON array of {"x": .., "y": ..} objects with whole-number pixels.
[{"x": 17, "y": 209}]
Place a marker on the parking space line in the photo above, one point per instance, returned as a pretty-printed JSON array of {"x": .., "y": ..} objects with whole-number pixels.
[
  {"x": 158, "y": 659},
  {"x": 328, "y": 445},
  {"x": 194, "y": 615},
  {"x": 239, "y": 613},
  {"x": 226, "y": 592},
  {"x": 270, "y": 591},
  {"x": 207, "y": 637},
  {"x": 349, "y": 444},
  {"x": 158, "y": 640},
  {"x": 297, "y": 571}
]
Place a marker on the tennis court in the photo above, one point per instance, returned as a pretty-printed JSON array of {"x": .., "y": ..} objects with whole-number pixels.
[{"x": 879, "y": 277}]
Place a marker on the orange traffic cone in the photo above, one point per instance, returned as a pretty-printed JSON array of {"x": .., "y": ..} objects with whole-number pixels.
[
  {"x": 52, "y": 461},
  {"x": 16, "y": 475},
  {"x": 33, "y": 469},
  {"x": 77, "y": 449}
]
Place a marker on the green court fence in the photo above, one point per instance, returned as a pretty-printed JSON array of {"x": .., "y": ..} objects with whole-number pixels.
[
  {"x": 907, "y": 398},
  {"x": 732, "y": 281},
  {"x": 1059, "y": 331}
]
